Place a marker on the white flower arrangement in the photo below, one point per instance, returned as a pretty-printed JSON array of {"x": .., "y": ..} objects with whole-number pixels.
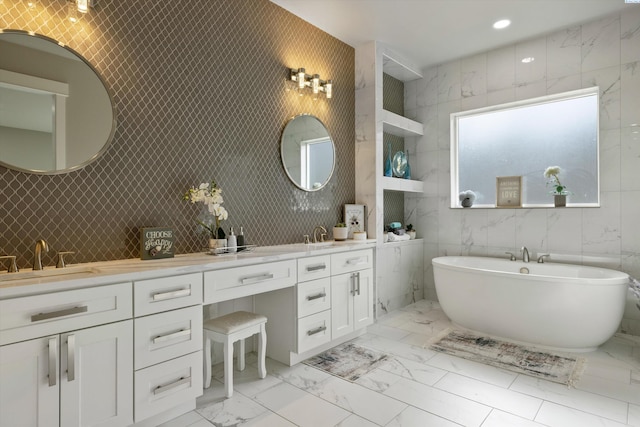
[
  {"x": 211, "y": 196},
  {"x": 467, "y": 194},
  {"x": 552, "y": 173}
]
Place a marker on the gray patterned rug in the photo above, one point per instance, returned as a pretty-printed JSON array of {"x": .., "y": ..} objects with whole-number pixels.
[
  {"x": 557, "y": 367},
  {"x": 347, "y": 361}
]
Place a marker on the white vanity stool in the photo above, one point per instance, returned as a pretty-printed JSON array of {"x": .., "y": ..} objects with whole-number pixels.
[{"x": 228, "y": 329}]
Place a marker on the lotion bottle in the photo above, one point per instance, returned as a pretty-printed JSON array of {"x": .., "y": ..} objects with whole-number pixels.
[
  {"x": 232, "y": 242},
  {"x": 240, "y": 240}
]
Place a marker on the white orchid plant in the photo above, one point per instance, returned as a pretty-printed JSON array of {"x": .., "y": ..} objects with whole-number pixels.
[
  {"x": 211, "y": 196},
  {"x": 552, "y": 173}
]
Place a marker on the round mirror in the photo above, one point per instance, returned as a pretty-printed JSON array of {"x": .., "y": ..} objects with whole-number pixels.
[
  {"x": 57, "y": 113},
  {"x": 307, "y": 151}
]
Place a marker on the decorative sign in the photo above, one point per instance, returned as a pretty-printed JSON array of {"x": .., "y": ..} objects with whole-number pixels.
[
  {"x": 509, "y": 191},
  {"x": 156, "y": 242},
  {"x": 354, "y": 217}
]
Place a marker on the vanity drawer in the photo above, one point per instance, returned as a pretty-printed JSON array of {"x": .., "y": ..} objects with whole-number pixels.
[
  {"x": 167, "y": 385},
  {"x": 164, "y": 336},
  {"x": 347, "y": 262},
  {"x": 314, "y": 296},
  {"x": 315, "y": 267},
  {"x": 231, "y": 283},
  {"x": 166, "y": 293},
  {"x": 40, "y": 315},
  {"x": 314, "y": 331}
]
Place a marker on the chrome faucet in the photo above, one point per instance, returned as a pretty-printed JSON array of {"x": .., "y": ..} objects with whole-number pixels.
[
  {"x": 525, "y": 254},
  {"x": 323, "y": 233},
  {"x": 41, "y": 245}
]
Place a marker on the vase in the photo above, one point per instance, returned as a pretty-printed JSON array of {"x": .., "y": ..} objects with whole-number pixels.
[
  {"x": 387, "y": 164},
  {"x": 412, "y": 234},
  {"x": 340, "y": 233},
  {"x": 466, "y": 202},
  {"x": 407, "y": 171},
  {"x": 218, "y": 245},
  {"x": 560, "y": 200}
]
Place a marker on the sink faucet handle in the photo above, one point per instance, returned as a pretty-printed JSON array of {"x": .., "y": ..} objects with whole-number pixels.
[
  {"x": 13, "y": 267},
  {"x": 306, "y": 239},
  {"x": 322, "y": 236},
  {"x": 513, "y": 257},
  {"x": 541, "y": 257},
  {"x": 61, "y": 254}
]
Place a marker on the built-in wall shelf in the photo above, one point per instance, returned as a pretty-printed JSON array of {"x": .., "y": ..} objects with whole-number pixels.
[
  {"x": 396, "y": 69},
  {"x": 400, "y": 184},
  {"x": 397, "y": 125}
]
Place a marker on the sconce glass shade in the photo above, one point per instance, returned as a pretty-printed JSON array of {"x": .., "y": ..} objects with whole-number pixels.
[
  {"x": 301, "y": 78},
  {"x": 83, "y": 6},
  {"x": 31, "y": 4},
  {"x": 328, "y": 88},
  {"x": 73, "y": 15},
  {"x": 315, "y": 84}
]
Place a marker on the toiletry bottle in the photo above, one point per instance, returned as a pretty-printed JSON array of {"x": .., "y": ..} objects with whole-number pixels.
[
  {"x": 232, "y": 242},
  {"x": 240, "y": 240}
]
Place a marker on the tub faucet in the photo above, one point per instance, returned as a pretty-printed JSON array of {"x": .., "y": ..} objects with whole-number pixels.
[
  {"x": 41, "y": 245},
  {"x": 323, "y": 234},
  {"x": 525, "y": 254}
]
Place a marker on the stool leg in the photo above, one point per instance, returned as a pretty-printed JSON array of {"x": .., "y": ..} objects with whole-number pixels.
[
  {"x": 262, "y": 352},
  {"x": 207, "y": 361},
  {"x": 228, "y": 368},
  {"x": 241, "y": 355}
]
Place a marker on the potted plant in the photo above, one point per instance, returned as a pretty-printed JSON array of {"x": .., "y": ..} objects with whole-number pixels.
[
  {"x": 410, "y": 231},
  {"x": 210, "y": 195},
  {"x": 340, "y": 231},
  {"x": 467, "y": 198},
  {"x": 559, "y": 191}
]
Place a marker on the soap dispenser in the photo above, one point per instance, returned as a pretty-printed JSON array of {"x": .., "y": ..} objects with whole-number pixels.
[
  {"x": 232, "y": 242},
  {"x": 240, "y": 240}
]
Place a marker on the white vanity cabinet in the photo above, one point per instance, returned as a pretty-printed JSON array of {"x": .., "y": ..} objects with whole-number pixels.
[
  {"x": 74, "y": 368},
  {"x": 168, "y": 344},
  {"x": 351, "y": 292}
]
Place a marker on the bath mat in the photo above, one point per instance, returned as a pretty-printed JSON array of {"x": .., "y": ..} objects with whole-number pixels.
[
  {"x": 557, "y": 367},
  {"x": 347, "y": 361}
]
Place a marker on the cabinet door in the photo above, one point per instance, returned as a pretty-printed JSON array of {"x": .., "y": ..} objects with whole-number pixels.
[
  {"x": 363, "y": 299},
  {"x": 27, "y": 396},
  {"x": 96, "y": 385},
  {"x": 342, "y": 287}
]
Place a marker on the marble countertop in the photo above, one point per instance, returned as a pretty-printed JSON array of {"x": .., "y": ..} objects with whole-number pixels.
[{"x": 74, "y": 276}]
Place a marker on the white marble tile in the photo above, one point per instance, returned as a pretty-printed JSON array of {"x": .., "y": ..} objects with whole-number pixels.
[
  {"x": 438, "y": 402},
  {"x": 630, "y": 158},
  {"x": 531, "y": 229},
  {"x": 355, "y": 421},
  {"x": 378, "y": 380},
  {"x": 572, "y": 398},
  {"x": 499, "y": 418},
  {"x": 415, "y": 371},
  {"x": 601, "y": 227},
  {"x": 474, "y": 228},
  {"x": 564, "y": 84},
  {"x": 608, "y": 81},
  {"x": 359, "y": 400},
  {"x": 501, "y": 71},
  {"x": 601, "y": 43},
  {"x": 630, "y": 35},
  {"x": 501, "y": 228},
  {"x": 490, "y": 395},
  {"x": 553, "y": 415},
  {"x": 230, "y": 412},
  {"x": 301, "y": 375},
  {"x": 268, "y": 419},
  {"x": 387, "y": 332},
  {"x": 634, "y": 416},
  {"x": 414, "y": 417},
  {"x": 564, "y": 53},
  {"x": 630, "y": 208},
  {"x": 468, "y": 368},
  {"x": 428, "y": 87},
  {"x": 564, "y": 230},
  {"x": 536, "y": 69},
  {"x": 606, "y": 387},
  {"x": 449, "y": 82},
  {"x": 407, "y": 351},
  {"x": 473, "y": 75},
  {"x": 630, "y": 94},
  {"x": 187, "y": 420},
  {"x": 450, "y": 221},
  {"x": 610, "y": 176},
  {"x": 300, "y": 407},
  {"x": 531, "y": 90}
]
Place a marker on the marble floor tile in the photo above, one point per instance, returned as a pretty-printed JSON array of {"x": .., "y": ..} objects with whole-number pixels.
[
  {"x": 236, "y": 410},
  {"x": 356, "y": 421},
  {"x": 554, "y": 415},
  {"x": 626, "y": 392},
  {"x": 471, "y": 369},
  {"x": 268, "y": 419},
  {"x": 415, "y": 353},
  {"x": 187, "y": 420},
  {"x": 438, "y": 402},
  {"x": 498, "y": 418},
  {"x": 388, "y": 331},
  {"x": 378, "y": 380},
  {"x": 415, "y": 371},
  {"x": 634, "y": 416},
  {"x": 414, "y": 417}
]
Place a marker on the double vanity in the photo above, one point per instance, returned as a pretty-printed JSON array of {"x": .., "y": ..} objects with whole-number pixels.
[{"x": 120, "y": 343}]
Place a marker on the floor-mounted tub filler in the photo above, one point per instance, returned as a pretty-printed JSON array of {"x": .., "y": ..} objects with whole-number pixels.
[{"x": 556, "y": 306}]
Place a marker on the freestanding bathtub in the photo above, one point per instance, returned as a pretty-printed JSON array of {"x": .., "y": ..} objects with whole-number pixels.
[{"x": 557, "y": 306}]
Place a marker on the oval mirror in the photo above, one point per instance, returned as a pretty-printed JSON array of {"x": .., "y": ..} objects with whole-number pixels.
[
  {"x": 308, "y": 153},
  {"x": 57, "y": 113}
]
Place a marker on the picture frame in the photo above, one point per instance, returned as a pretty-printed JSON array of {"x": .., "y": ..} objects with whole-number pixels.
[
  {"x": 355, "y": 217},
  {"x": 509, "y": 191},
  {"x": 156, "y": 243}
]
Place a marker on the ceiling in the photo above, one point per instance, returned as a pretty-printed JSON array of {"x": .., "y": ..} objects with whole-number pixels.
[{"x": 430, "y": 32}]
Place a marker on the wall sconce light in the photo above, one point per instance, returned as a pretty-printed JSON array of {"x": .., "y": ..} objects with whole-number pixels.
[
  {"x": 76, "y": 8},
  {"x": 312, "y": 81}
]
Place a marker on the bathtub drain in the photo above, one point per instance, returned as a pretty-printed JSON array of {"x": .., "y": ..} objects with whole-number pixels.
[{"x": 524, "y": 270}]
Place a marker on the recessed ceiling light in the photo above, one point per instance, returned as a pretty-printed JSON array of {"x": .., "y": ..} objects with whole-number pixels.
[
  {"x": 528, "y": 59},
  {"x": 503, "y": 23}
]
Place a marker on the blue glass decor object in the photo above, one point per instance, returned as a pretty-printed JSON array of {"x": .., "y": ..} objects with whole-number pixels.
[
  {"x": 407, "y": 171},
  {"x": 387, "y": 164}
]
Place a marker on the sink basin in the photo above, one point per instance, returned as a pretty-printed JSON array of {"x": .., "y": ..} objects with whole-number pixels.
[{"x": 47, "y": 272}]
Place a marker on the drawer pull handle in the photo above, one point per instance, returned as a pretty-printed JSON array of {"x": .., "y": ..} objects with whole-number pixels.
[
  {"x": 71, "y": 358},
  {"x": 256, "y": 279},
  {"x": 53, "y": 361},
  {"x": 356, "y": 261},
  {"x": 316, "y": 296},
  {"x": 165, "y": 388},
  {"x": 316, "y": 330},
  {"x": 317, "y": 267},
  {"x": 172, "y": 336},
  {"x": 161, "y": 296},
  {"x": 60, "y": 313}
]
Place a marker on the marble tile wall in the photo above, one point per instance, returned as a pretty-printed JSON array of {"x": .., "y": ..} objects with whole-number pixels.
[{"x": 604, "y": 53}]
